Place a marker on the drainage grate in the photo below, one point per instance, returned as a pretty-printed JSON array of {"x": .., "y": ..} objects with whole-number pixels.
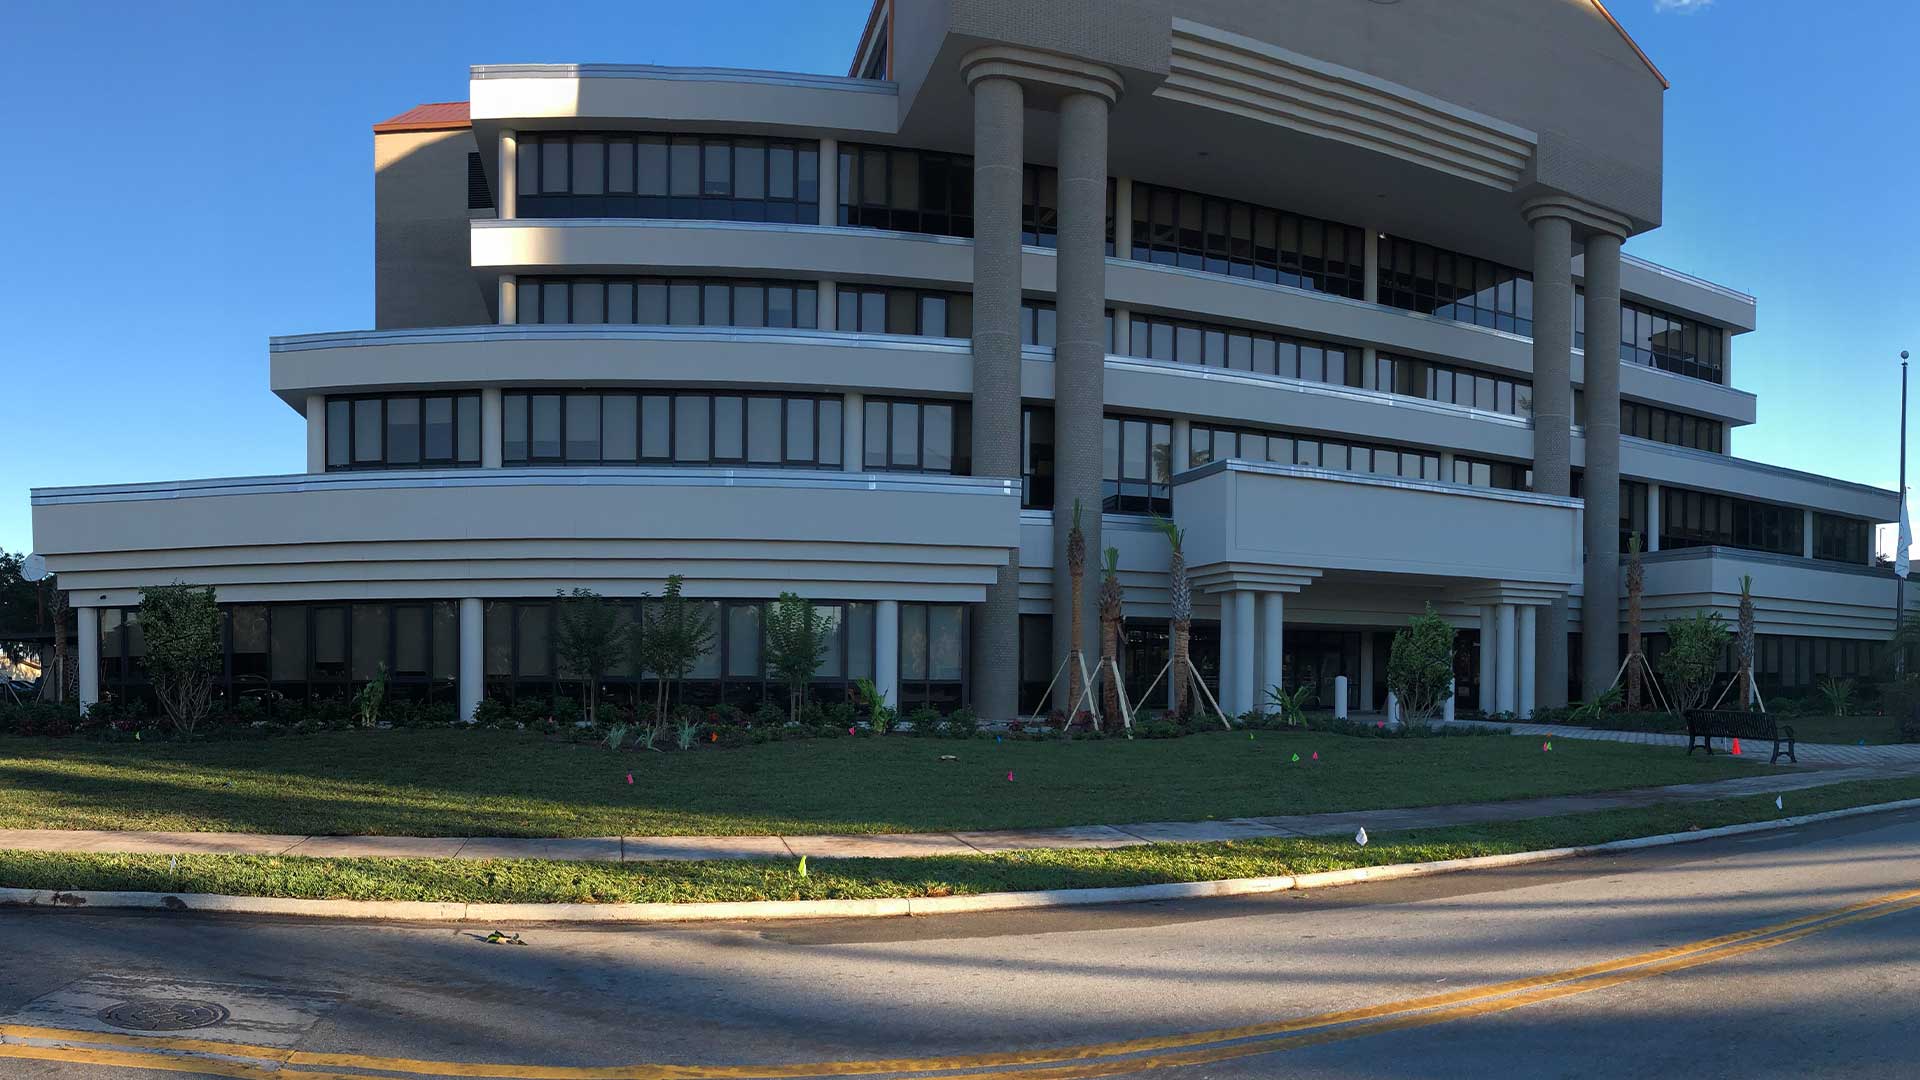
[{"x": 163, "y": 1014}]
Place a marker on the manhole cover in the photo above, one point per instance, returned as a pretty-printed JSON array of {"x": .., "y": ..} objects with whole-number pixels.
[{"x": 163, "y": 1014}]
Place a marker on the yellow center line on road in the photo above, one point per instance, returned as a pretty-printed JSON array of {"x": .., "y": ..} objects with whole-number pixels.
[{"x": 180, "y": 1054}]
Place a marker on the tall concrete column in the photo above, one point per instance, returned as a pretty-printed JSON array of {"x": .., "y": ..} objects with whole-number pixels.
[
  {"x": 1229, "y": 649},
  {"x": 1528, "y": 634},
  {"x": 1600, "y": 610},
  {"x": 1651, "y": 541},
  {"x": 473, "y": 655},
  {"x": 491, "y": 427},
  {"x": 89, "y": 634},
  {"x": 886, "y": 652},
  {"x": 1489, "y": 667},
  {"x": 1509, "y": 661},
  {"x": 507, "y": 202},
  {"x": 829, "y": 182},
  {"x": 999, "y": 116},
  {"x": 853, "y": 432},
  {"x": 826, "y": 307},
  {"x": 1553, "y": 410},
  {"x": 1272, "y": 654},
  {"x": 1243, "y": 653},
  {"x": 1121, "y": 343},
  {"x": 316, "y": 433},
  {"x": 1180, "y": 454},
  {"x": 1079, "y": 360},
  {"x": 509, "y": 300}
]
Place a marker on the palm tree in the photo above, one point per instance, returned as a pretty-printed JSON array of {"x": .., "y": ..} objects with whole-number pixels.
[
  {"x": 1077, "y": 573},
  {"x": 1112, "y": 612},
  {"x": 1744, "y": 643},
  {"x": 1636, "y": 584},
  {"x": 1180, "y": 599}
]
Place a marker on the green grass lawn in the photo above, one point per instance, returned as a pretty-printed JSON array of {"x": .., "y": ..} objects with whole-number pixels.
[
  {"x": 483, "y": 783},
  {"x": 523, "y": 881}
]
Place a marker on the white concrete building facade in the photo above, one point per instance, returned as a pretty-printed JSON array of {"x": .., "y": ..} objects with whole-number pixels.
[{"x": 1338, "y": 289}]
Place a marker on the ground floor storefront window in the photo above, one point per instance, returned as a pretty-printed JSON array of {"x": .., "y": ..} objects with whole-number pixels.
[{"x": 274, "y": 654}]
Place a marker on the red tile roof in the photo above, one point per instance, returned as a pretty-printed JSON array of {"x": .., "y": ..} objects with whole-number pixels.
[{"x": 434, "y": 116}]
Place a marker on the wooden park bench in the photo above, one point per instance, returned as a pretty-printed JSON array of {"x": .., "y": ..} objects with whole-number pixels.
[{"x": 1706, "y": 725}]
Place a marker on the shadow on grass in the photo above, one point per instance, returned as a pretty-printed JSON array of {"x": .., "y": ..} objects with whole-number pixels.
[{"x": 457, "y": 783}]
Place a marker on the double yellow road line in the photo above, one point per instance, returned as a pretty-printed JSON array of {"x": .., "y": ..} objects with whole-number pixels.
[{"x": 226, "y": 1059}]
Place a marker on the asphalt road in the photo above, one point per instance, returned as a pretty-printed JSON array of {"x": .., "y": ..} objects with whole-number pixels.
[{"x": 1792, "y": 954}]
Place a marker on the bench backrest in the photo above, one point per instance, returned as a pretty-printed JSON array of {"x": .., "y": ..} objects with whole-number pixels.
[{"x": 1738, "y": 723}]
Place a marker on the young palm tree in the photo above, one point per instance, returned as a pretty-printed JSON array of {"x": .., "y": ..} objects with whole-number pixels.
[
  {"x": 1077, "y": 572},
  {"x": 1636, "y": 585},
  {"x": 1744, "y": 643},
  {"x": 1180, "y": 599},
  {"x": 1112, "y": 612}
]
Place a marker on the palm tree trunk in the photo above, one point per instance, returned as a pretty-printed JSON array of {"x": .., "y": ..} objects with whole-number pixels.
[{"x": 1182, "y": 687}]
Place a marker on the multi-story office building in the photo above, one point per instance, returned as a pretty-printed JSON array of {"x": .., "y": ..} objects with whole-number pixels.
[{"x": 1336, "y": 286}]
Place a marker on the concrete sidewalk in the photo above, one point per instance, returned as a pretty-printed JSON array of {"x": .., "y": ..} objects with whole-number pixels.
[
  {"x": 1757, "y": 750},
  {"x": 901, "y": 845}
]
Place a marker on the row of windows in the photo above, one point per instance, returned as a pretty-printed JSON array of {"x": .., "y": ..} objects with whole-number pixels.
[
  {"x": 918, "y": 191},
  {"x": 918, "y": 436},
  {"x": 1424, "y": 278},
  {"x": 287, "y": 652},
  {"x": 756, "y": 179},
  {"x": 1698, "y": 519},
  {"x": 1243, "y": 350},
  {"x": 1660, "y": 339},
  {"x": 1841, "y": 539},
  {"x": 708, "y": 177},
  {"x": 295, "y": 651},
  {"x": 1223, "y": 236},
  {"x": 652, "y": 301},
  {"x": 1668, "y": 426},
  {"x": 1207, "y": 443},
  {"x": 403, "y": 431},
  {"x": 523, "y": 658},
  {"x": 768, "y": 430},
  {"x": 1456, "y": 385}
]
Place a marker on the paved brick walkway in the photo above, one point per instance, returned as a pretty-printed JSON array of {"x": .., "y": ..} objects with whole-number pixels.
[
  {"x": 894, "y": 845},
  {"x": 1815, "y": 754}
]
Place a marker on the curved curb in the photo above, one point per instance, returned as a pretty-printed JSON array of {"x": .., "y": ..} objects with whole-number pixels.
[{"x": 429, "y": 911}]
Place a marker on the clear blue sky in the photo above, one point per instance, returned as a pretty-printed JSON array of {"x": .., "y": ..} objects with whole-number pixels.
[{"x": 186, "y": 180}]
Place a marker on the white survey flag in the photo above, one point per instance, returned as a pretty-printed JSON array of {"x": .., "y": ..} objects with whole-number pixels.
[{"x": 1905, "y": 540}]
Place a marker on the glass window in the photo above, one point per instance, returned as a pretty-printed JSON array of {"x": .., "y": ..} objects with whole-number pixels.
[
  {"x": 367, "y": 431},
  {"x": 339, "y": 434},
  {"x": 583, "y": 427},
  {"x": 743, "y": 640},
  {"x": 438, "y": 433},
  {"x": 690, "y": 433},
  {"x": 763, "y": 430},
  {"x": 545, "y": 410},
  {"x": 620, "y": 427},
  {"x": 729, "y": 428}
]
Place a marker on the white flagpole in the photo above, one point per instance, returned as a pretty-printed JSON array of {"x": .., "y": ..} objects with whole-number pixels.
[{"x": 1903, "y": 533}]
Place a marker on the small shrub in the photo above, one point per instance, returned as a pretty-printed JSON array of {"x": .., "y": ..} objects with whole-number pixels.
[
  {"x": 1838, "y": 695},
  {"x": 1692, "y": 659},
  {"x": 963, "y": 724},
  {"x": 925, "y": 720}
]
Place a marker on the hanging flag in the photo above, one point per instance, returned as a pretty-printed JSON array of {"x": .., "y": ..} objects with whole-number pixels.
[{"x": 1905, "y": 540}]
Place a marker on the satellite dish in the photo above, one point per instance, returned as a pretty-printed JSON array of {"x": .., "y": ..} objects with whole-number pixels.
[{"x": 34, "y": 568}]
